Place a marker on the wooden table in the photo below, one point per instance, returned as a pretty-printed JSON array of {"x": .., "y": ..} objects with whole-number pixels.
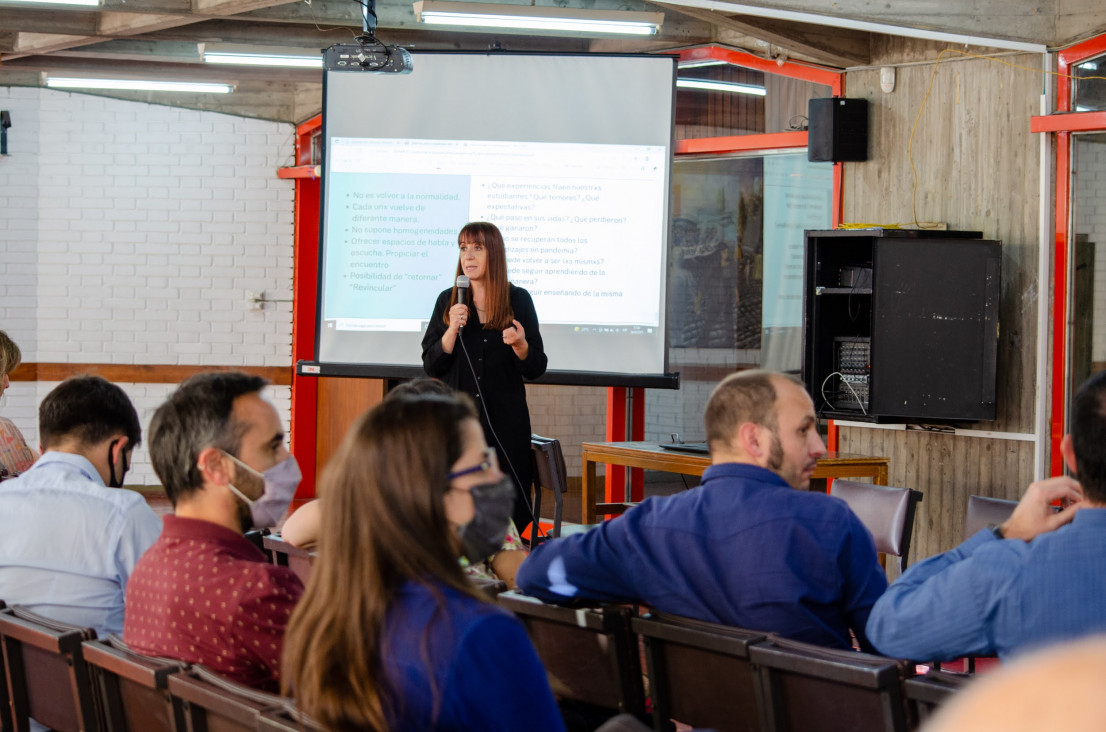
[{"x": 651, "y": 456}]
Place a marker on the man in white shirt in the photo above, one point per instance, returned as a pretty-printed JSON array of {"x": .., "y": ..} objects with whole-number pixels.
[{"x": 69, "y": 536}]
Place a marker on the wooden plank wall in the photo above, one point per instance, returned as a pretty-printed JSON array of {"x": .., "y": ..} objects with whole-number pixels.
[{"x": 978, "y": 169}]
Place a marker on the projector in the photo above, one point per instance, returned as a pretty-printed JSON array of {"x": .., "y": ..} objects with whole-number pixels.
[{"x": 376, "y": 58}]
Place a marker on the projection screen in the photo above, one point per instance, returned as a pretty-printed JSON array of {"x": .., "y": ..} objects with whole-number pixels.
[{"x": 569, "y": 155}]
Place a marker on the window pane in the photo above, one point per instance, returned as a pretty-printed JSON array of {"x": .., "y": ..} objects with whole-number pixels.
[
  {"x": 1088, "y": 303},
  {"x": 735, "y": 274},
  {"x": 1090, "y": 92},
  {"x": 744, "y": 102}
]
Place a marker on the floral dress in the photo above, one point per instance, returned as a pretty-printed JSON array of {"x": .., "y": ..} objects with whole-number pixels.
[{"x": 483, "y": 570}]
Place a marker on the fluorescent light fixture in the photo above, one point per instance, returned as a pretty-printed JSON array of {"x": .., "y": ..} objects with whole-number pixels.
[
  {"x": 720, "y": 86},
  {"x": 701, "y": 63},
  {"x": 1089, "y": 66},
  {"x": 257, "y": 59},
  {"x": 530, "y": 17},
  {"x": 55, "y": 2},
  {"x": 57, "y": 82}
]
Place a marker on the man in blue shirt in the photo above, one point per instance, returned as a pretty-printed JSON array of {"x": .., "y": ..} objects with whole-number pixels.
[
  {"x": 749, "y": 547},
  {"x": 1037, "y": 579},
  {"x": 69, "y": 536}
]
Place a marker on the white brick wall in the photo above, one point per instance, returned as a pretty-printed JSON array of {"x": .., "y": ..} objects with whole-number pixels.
[{"x": 131, "y": 233}]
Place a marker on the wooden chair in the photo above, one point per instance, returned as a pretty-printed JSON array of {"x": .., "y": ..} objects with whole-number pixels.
[
  {"x": 887, "y": 512},
  {"x": 287, "y": 555},
  {"x": 984, "y": 511},
  {"x": 5, "y": 703},
  {"x": 700, "y": 673},
  {"x": 133, "y": 688},
  {"x": 550, "y": 474},
  {"x": 287, "y": 719},
  {"x": 924, "y": 694},
  {"x": 205, "y": 701},
  {"x": 48, "y": 679},
  {"x": 592, "y": 652},
  {"x": 809, "y": 688}
]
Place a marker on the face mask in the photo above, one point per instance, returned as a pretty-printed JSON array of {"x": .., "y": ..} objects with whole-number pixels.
[
  {"x": 280, "y": 481},
  {"x": 493, "y": 504},
  {"x": 112, "y": 482}
]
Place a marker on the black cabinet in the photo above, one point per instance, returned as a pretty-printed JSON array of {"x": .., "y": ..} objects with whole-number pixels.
[{"x": 901, "y": 325}]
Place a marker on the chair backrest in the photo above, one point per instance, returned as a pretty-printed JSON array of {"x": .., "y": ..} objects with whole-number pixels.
[
  {"x": 809, "y": 688},
  {"x": 47, "y": 676},
  {"x": 5, "y": 705},
  {"x": 925, "y": 693},
  {"x": 984, "y": 511},
  {"x": 133, "y": 688},
  {"x": 887, "y": 512},
  {"x": 287, "y": 555},
  {"x": 591, "y": 652},
  {"x": 550, "y": 473},
  {"x": 207, "y": 701},
  {"x": 700, "y": 673},
  {"x": 287, "y": 719}
]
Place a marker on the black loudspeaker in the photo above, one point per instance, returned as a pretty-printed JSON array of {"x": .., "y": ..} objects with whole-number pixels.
[{"x": 838, "y": 130}]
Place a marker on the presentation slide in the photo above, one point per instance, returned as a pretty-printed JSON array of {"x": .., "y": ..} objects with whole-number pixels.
[
  {"x": 574, "y": 178},
  {"x": 568, "y": 212}
]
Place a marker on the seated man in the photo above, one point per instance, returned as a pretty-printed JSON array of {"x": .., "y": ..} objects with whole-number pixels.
[
  {"x": 203, "y": 593},
  {"x": 1039, "y": 578},
  {"x": 749, "y": 547},
  {"x": 69, "y": 537}
]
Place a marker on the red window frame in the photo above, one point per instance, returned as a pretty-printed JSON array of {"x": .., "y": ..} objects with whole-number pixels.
[{"x": 1063, "y": 123}]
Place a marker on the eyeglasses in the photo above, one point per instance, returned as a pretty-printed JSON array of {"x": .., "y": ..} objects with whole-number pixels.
[{"x": 484, "y": 465}]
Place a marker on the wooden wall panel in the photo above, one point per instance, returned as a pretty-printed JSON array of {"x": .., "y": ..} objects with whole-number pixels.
[
  {"x": 341, "y": 401},
  {"x": 978, "y": 169},
  {"x": 947, "y": 469},
  {"x": 140, "y": 373}
]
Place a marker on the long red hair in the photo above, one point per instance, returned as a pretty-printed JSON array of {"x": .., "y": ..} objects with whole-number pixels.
[{"x": 497, "y": 295}]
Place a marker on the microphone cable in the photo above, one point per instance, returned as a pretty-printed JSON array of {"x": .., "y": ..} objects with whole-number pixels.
[{"x": 535, "y": 525}]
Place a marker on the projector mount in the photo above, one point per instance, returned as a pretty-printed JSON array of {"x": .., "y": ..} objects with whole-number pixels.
[{"x": 370, "y": 54}]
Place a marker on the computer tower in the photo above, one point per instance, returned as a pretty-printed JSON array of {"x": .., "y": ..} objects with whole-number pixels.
[{"x": 901, "y": 325}]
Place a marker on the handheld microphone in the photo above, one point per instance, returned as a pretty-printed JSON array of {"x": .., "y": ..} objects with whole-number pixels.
[{"x": 462, "y": 289}]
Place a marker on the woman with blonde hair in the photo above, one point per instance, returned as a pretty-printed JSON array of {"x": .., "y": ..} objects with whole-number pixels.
[
  {"x": 15, "y": 455},
  {"x": 390, "y": 635}
]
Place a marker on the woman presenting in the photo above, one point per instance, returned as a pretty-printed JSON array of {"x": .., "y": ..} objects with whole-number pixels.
[{"x": 485, "y": 345}]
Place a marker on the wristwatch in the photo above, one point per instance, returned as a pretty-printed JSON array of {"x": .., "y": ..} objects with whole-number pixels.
[{"x": 997, "y": 531}]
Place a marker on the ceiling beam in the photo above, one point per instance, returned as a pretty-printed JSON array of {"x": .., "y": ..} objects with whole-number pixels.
[
  {"x": 29, "y": 44},
  {"x": 145, "y": 51},
  {"x": 838, "y": 48},
  {"x": 234, "y": 7},
  {"x": 115, "y": 68}
]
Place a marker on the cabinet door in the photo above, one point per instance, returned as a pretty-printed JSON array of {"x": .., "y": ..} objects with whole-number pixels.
[{"x": 935, "y": 328}]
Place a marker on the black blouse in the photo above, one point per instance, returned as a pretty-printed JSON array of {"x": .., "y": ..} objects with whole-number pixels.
[{"x": 495, "y": 381}]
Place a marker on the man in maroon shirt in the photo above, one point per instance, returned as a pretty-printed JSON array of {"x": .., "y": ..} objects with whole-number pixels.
[{"x": 203, "y": 593}]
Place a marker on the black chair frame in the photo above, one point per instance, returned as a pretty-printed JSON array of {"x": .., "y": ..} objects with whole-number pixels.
[
  {"x": 621, "y": 656},
  {"x": 29, "y": 639},
  {"x": 777, "y": 658},
  {"x": 679, "y": 695},
  {"x": 123, "y": 675}
]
